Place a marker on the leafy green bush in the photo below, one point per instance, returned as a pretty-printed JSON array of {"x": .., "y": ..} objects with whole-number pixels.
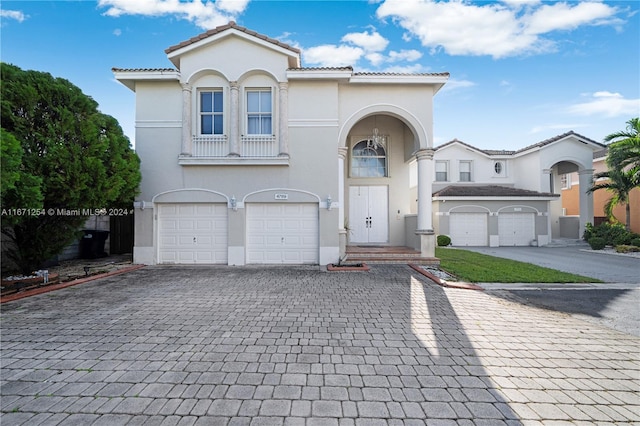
[
  {"x": 443, "y": 240},
  {"x": 623, "y": 248},
  {"x": 597, "y": 243},
  {"x": 613, "y": 234},
  {"x": 635, "y": 242}
]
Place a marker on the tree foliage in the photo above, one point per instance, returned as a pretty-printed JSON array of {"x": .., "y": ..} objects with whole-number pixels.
[
  {"x": 623, "y": 174},
  {"x": 78, "y": 157}
]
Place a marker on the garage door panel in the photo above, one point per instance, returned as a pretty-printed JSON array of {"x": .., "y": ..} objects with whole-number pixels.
[
  {"x": 516, "y": 229},
  {"x": 468, "y": 229},
  {"x": 192, "y": 233},
  {"x": 282, "y": 233}
]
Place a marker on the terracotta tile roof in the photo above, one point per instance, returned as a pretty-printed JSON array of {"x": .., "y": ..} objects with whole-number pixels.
[
  {"x": 222, "y": 28},
  {"x": 438, "y": 74},
  {"x": 143, "y": 69},
  {"x": 489, "y": 191},
  {"x": 536, "y": 145},
  {"x": 349, "y": 68},
  {"x": 557, "y": 138}
]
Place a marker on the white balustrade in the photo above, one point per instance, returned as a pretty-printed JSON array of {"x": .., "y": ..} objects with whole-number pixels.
[
  {"x": 259, "y": 146},
  {"x": 210, "y": 146}
]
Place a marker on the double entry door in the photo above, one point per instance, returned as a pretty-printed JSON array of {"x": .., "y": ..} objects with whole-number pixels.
[{"x": 368, "y": 214}]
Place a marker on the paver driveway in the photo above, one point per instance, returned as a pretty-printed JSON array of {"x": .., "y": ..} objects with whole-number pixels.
[{"x": 297, "y": 346}]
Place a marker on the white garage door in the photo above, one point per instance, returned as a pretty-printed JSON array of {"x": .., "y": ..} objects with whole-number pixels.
[
  {"x": 282, "y": 233},
  {"x": 192, "y": 233},
  {"x": 516, "y": 229},
  {"x": 468, "y": 229}
]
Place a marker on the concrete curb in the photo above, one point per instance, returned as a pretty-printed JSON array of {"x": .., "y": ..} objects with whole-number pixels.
[
  {"x": 444, "y": 283},
  {"x": 53, "y": 287}
]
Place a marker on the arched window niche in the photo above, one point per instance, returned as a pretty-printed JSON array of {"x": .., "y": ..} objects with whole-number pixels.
[{"x": 368, "y": 160}]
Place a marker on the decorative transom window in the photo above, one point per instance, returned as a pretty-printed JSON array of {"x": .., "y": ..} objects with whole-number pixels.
[
  {"x": 211, "y": 112},
  {"x": 368, "y": 160},
  {"x": 465, "y": 171},
  {"x": 259, "y": 112},
  {"x": 442, "y": 169}
]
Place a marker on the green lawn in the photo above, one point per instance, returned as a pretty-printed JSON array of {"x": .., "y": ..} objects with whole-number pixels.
[{"x": 480, "y": 268}]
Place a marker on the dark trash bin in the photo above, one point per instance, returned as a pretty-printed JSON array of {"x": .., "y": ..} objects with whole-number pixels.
[{"x": 92, "y": 244}]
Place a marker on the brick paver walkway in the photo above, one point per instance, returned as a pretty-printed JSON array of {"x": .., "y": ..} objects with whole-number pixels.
[{"x": 251, "y": 346}]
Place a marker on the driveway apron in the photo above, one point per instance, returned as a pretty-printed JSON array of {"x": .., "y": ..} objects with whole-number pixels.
[{"x": 294, "y": 345}]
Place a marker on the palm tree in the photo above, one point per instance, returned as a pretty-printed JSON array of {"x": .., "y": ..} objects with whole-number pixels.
[
  {"x": 624, "y": 150},
  {"x": 620, "y": 183}
]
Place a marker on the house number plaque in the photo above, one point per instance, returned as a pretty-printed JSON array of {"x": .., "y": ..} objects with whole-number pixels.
[{"x": 282, "y": 196}]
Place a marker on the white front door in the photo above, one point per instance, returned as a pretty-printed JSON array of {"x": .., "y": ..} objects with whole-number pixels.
[{"x": 368, "y": 214}]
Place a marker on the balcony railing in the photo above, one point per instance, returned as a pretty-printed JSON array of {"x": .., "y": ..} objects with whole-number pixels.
[
  {"x": 210, "y": 146},
  {"x": 216, "y": 146},
  {"x": 218, "y": 150},
  {"x": 259, "y": 146}
]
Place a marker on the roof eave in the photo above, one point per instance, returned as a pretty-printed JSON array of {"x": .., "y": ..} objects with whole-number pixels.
[
  {"x": 129, "y": 77},
  {"x": 319, "y": 74},
  {"x": 495, "y": 198},
  {"x": 437, "y": 80}
]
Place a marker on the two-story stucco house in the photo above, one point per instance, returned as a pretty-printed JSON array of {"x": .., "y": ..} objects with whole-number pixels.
[
  {"x": 250, "y": 158},
  {"x": 511, "y": 198}
]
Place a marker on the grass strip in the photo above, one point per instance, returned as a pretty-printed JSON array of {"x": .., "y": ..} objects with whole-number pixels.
[{"x": 481, "y": 268}]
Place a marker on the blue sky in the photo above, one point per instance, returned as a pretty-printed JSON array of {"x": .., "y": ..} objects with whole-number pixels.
[{"x": 521, "y": 70}]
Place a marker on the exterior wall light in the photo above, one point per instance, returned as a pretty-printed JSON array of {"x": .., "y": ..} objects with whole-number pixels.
[
  {"x": 329, "y": 201},
  {"x": 234, "y": 203}
]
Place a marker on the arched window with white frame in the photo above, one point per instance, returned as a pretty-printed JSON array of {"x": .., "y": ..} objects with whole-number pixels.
[{"x": 368, "y": 159}]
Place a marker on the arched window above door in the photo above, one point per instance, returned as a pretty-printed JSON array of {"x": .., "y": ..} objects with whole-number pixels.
[{"x": 368, "y": 159}]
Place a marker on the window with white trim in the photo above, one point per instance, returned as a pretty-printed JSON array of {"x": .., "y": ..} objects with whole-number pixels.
[
  {"x": 259, "y": 112},
  {"x": 442, "y": 171},
  {"x": 368, "y": 160},
  {"x": 565, "y": 181},
  {"x": 500, "y": 168},
  {"x": 211, "y": 111},
  {"x": 465, "y": 171}
]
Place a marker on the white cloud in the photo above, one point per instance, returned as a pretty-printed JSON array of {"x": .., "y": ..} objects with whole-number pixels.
[
  {"x": 454, "y": 84},
  {"x": 606, "y": 104},
  {"x": 204, "y": 13},
  {"x": 404, "y": 55},
  {"x": 13, "y": 14},
  {"x": 370, "y": 42},
  {"x": 117, "y": 32},
  {"x": 495, "y": 29},
  {"x": 556, "y": 127},
  {"x": 330, "y": 55}
]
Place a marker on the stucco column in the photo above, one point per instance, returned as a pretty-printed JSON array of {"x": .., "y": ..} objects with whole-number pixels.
[
  {"x": 425, "y": 184},
  {"x": 342, "y": 155},
  {"x": 586, "y": 199},
  {"x": 283, "y": 122},
  {"x": 545, "y": 184},
  {"x": 234, "y": 119},
  {"x": 186, "y": 119}
]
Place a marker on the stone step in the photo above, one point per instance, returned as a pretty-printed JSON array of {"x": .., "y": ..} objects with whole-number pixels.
[{"x": 390, "y": 260}]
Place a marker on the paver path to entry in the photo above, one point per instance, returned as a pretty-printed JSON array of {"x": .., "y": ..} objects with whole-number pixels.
[{"x": 242, "y": 346}]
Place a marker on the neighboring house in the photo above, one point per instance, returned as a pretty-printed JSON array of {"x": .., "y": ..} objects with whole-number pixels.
[
  {"x": 510, "y": 198},
  {"x": 249, "y": 158},
  {"x": 571, "y": 189}
]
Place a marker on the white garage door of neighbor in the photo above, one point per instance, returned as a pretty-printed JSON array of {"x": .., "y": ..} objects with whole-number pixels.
[
  {"x": 516, "y": 229},
  {"x": 468, "y": 229},
  {"x": 192, "y": 233},
  {"x": 282, "y": 233}
]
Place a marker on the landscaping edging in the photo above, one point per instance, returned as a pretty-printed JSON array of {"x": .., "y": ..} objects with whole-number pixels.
[
  {"x": 347, "y": 268},
  {"x": 444, "y": 283},
  {"x": 53, "y": 287}
]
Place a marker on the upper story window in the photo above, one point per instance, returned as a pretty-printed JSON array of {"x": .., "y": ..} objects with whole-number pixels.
[
  {"x": 211, "y": 112},
  {"x": 442, "y": 171},
  {"x": 565, "y": 181},
  {"x": 500, "y": 168},
  {"x": 368, "y": 160},
  {"x": 465, "y": 171},
  {"x": 259, "y": 112}
]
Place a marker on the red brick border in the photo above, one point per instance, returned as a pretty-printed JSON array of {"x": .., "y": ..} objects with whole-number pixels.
[
  {"x": 53, "y": 287},
  {"x": 444, "y": 283}
]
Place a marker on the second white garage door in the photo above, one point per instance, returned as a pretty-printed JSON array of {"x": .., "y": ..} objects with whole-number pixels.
[
  {"x": 468, "y": 229},
  {"x": 192, "y": 233},
  {"x": 282, "y": 233},
  {"x": 516, "y": 229}
]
